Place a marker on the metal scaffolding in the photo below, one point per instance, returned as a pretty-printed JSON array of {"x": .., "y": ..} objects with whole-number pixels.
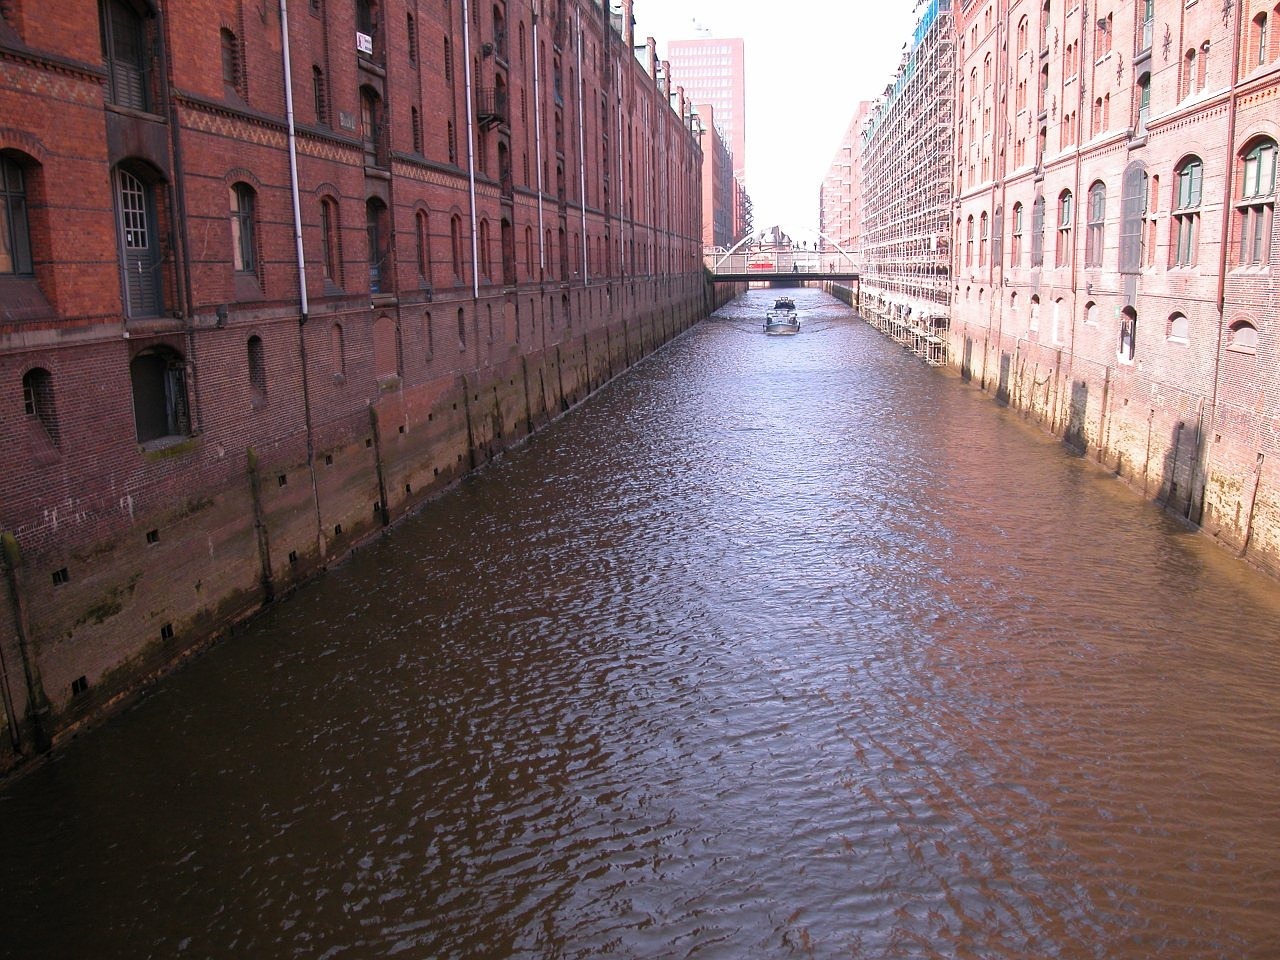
[{"x": 906, "y": 192}]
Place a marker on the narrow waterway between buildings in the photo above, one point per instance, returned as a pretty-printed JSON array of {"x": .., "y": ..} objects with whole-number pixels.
[{"x": 777, "y": 647}]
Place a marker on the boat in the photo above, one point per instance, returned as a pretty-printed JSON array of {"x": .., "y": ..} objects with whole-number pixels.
[
  {"x": 778, "y": 322},
  {"x": 784, "y": 303}
]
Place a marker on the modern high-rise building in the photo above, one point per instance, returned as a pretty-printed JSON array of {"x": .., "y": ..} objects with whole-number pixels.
[{"x": 713, "y": 71}]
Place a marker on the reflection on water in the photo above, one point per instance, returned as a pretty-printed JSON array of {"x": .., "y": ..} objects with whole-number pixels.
[{"x": 778, "y": 647}]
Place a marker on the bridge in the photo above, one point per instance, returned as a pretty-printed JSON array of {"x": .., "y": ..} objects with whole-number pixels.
[{"x": 762, "y": 260}]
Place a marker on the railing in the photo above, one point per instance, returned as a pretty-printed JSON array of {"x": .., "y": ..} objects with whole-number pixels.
[{"x": 782, "y": 261}]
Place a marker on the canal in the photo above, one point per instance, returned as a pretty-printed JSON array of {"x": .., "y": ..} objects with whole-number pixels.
[{"x": 777, "y": 647}]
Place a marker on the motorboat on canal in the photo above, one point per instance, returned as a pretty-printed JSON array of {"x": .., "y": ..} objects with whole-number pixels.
[{"x": 782, "y": 319}]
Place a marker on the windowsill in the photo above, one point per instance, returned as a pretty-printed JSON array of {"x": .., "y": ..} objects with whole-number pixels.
[
  {"x": 170, "y": 446},
  {"x": 1180, "y": 341},
  {"x": 1242, "y": 351}
]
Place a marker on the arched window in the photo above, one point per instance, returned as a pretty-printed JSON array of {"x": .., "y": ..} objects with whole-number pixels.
[
  {"x": 1093, "y": 238},
  {"x": 1128, "y": 340},
  {"x": 37, "y": 400},
  {"x": 124, "y": 48},
  {"x": 1066, "y": 217},
  {"x": 1037, "y": 232},
  {"x": 1091, "y": 314},
  {"x": 1022, "y": 36},
  {"x": 1242, "y": 337},
  {"x": 1255, "y": 209},
  {"x": 1188, "y": 187},
  {"x": 455, "y": 245},
  {"x": 1258, "y": 52},
  {"x": 160, "y": 410},
  {"x": 982, "y": 239},
  {"x": 968, "y": 242},
  {"x": 243, "y": 242},
  {"x": 15, "y": 237},
  {"x": 1033, "y": 321},
  {"x": 483, "y": 241},
  {"x": 1015, "y": 238},
  {"x": 232, "y": 74},
  {"x": 330, "y": 242},
  {"x": 337, "y": 351},
  {"x": 423, "y": 231},
  {"x": 257, "y": 372},
  {"x": 1179, "y": 330}
]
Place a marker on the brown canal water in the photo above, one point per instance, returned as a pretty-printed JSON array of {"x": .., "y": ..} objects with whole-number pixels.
[{"x": 777, "y": 647}]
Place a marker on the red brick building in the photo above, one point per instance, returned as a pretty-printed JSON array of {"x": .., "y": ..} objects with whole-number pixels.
[
  {"x": 1114, "y": 256},
  {"x": 241, "y": 330}
]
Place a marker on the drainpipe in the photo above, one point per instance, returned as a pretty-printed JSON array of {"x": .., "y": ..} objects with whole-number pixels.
[
  {"x": 303, "y": 303},
  {"x": 1228, "y": 185},
  {"x": 537, "y": 139},
  {"x": 582, "y": 158},
  {"x": 471, "y": 153}
]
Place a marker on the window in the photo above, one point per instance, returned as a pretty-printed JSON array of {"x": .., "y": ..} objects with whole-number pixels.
[
  {"x": 411, "y": 34},
  {"x": 331, "y": 257},
  {"x": 1256, "y": 206},
  {"x": 337, "y": 351},
  {"x": 968, "y": 242},
  {"x": 158, "y": 378},
  {"x": 319, "y": 99},
  {"x": 1146, "y": 27},
  {"x": 415, "y": 123},
  {"x": 37, "y": 399},
  {"x": 124, "y": 48},
  {"x": 1186, "y": 212},
  {"x": 1033, "y": 320},
  {"x": 1142, "y": 107},
  {"x": 1133, "y": 208},
  {"x": 1178, "y": 328},
  {"x": 231, "y": 75},
  {"x": 1102, "y": 37},
  {"x": 1093, "y": 238},
  {"x": 257, "y": 372},
  {"x": 1062, "y": 249},
  {"x": 1258, "y": 53},
  {"x": 15, "y": 238},
  {"x": 139, "y": 247},
  {"x": 1091, "y": 314},
  {"x": 455, "y": 245},
  {"x": 1242, "y": 337},
  {"x": 1037, "y": 232},
  {"x": 1015, "y": 245},
  {"x": 378, "y": 232},
  {"x": 1022, "y": 37},
  {"x": 242, "y": 239},
  {"x": 424, "y": 245},
  {"x": 982, "y": 240},
  {"x": 1128, "y": 335}
]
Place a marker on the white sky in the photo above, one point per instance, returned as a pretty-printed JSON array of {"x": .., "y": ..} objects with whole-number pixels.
[{"x": 808, "y": 64}]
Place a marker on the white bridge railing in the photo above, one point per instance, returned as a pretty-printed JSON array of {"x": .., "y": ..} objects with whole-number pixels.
[{"x": 771, "y": 262}]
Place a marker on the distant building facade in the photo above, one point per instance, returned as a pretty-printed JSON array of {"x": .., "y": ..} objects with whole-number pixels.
[
  {"x": 713, "y": 71},
  {"x": 840, "y": 197},
  {"x": 906, "y": 179},
  {"x": 233, "y": 347},
  {"x": 719, "y": 186}
]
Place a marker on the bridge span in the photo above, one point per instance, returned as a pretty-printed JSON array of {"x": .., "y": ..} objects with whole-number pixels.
[{"x": 780, "y": 263}]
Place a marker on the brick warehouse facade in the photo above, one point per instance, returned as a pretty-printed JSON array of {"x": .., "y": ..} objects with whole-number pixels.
[
  {"x": 1114, "y": 257},
  {"x": 217, "y": 384}
]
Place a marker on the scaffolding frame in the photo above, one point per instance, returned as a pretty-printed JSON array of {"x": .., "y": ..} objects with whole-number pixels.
[{"x": 907, "y": 162}]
